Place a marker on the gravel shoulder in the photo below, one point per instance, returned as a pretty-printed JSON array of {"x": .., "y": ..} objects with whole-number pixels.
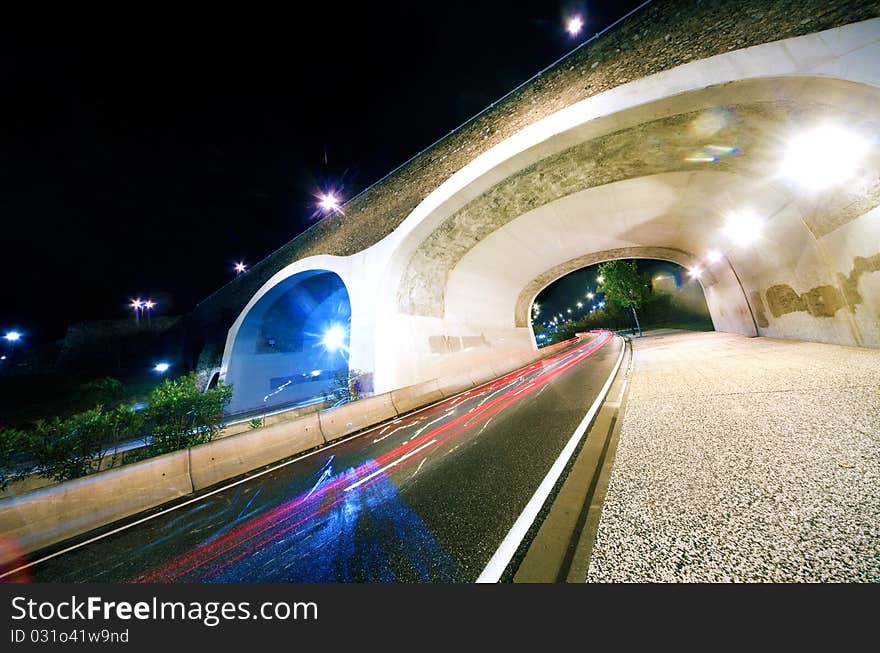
[{"x": 745, "y": 459}]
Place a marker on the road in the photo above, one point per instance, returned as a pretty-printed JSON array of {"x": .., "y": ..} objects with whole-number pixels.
[{"x": 428, "y": 497}]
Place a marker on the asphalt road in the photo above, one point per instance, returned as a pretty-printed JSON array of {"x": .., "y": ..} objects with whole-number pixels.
[{"x": 426, "y": 498}]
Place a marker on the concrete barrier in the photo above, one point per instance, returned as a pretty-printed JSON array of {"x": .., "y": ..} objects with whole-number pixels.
[
  {"x": 416, "y": 396},
  {"x": 357, "y": 415},
  {"x": 50, "y": 515},
  {"x": 220, "y": 460},
  {"x": 451, "y": 385}
]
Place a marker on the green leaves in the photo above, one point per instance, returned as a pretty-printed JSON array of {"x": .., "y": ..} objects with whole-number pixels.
[
  {"x": 182, "y": 416},
  {"x": 14, "y": 448},
  {"x": 179, "y": 416},
  {"x": 72, "y": 447},
  {"x": 623, "y": 284}
]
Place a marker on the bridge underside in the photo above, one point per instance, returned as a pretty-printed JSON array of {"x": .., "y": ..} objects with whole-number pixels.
[
  {"x": 659, "y": 181},
  {"x": 693, "y": 161}
]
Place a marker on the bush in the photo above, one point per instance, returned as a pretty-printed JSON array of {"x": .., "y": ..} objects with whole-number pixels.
[
  {"x": 70, "y": 448},
  {"x": 183, "y": 416},
  {"x": 14, "y": 448},
  {"x": 123, "y": 424}
]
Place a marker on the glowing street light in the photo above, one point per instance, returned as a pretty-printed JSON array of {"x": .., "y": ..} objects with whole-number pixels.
[
  {"x": 590, "y": 295},
  {"x": 600, "y": 279},
  {"x": 334, "y": 338},
  {"x": 743, "y": 227},
  {"x": 574, "y": 25},
  {"x": 240, "y": 267},
  {"x": 568, "y": 309},
  {"x": 149, "y": 304},
  {"x": 580, "y": 304},
  {"x": 162, "y": 367},
  {"x": 824, "y": 156},
  {"x": 328, "y": 202},
  {"x": 12, "y": 336},
  {"x": 713, "y": 256}
]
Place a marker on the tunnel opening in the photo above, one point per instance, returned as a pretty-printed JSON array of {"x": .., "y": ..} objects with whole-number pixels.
[
  {"x": 671, "y": 298},
  {"x": 292, "y": 344}
]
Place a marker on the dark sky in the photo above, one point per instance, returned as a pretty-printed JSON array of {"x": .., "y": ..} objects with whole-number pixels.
[{"x": 144, "y": 154}]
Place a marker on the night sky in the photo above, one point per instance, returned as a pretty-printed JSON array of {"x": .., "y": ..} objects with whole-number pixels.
[{"x": 143, "y": 155}]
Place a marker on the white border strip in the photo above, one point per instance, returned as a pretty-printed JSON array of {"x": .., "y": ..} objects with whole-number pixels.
[{"x": 504, "y": 554}]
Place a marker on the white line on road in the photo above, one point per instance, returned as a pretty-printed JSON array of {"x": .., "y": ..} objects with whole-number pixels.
[
  {"x": 389, "y": 465},
  {"x": 502, "y": 557}
]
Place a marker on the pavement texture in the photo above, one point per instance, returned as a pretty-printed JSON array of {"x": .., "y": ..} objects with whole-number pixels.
[{"x": 745, "y": 459}]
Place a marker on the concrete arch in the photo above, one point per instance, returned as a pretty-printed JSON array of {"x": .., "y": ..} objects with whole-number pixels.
[
  {"x": 439, "y": 259},
  {"x": 299, "y": 303}
]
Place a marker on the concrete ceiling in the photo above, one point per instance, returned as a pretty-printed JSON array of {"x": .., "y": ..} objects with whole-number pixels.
[{"x": 626, "y": 181}]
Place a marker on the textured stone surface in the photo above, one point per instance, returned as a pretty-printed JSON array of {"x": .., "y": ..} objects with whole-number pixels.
[
  {"x": 660, "y": 37},
  {"x": 652, "y": 148},
  {"x": 745, "y": 460}
]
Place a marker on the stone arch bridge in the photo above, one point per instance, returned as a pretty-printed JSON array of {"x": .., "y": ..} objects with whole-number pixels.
[{"x": 661, "y": 138}]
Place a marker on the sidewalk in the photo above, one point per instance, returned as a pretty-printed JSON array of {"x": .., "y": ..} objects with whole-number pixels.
[{"x": 744, "y": 459}]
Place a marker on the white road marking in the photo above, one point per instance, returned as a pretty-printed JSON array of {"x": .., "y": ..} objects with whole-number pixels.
[
  {"x": 502, "y": 557},
  {"x": 419, "y": 468},
  {"x": 389, "y": 466},
  {"x": 442, "y": 417}
]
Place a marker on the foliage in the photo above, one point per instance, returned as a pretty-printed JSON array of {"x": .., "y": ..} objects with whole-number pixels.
[
  {"x": 123, "y": 424},
  {"x": 105, "y": 391},
  {"x": 347, "y": 386},
  {"x": 623, "y": 285},
  {"x": 13, "y": 452},
  {"x": 183, "y": 416},
  {"x": 68, "y": 448},
  {"x": 256, "y": 422}
]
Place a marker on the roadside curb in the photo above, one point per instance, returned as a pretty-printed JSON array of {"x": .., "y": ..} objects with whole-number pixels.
[{"x": 562, "y": 546}]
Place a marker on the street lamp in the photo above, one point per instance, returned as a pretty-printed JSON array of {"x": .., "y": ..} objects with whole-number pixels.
[
  {"x": 12, "y": 336},
  {"x": 600, "y": 279},
  {"x": 743, "y": 227},
  {"x": 137, "y": 305},
  {"x": 240, "y": 267},
  {"x": 574, "y": 25},
  {"x": 590, "y": 295},
  {"x": 823, "y": 156},
  {"x": 162, "y": 367},
  {"x": 334, "y": 338},
  {"x": 329, "y": 202}
]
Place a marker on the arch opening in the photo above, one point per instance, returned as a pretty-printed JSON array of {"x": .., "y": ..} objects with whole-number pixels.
[
  {"x": 575, "y": 302},
  {"x": 291, "y": 343}
]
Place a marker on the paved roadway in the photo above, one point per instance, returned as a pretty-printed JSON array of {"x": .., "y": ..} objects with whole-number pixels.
[{"x": 426, "y": 498}]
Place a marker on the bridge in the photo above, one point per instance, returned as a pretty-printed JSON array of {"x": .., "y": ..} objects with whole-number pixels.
[
  {"x": 688, "y": 130},
  {"x": 738, "y": 139}
]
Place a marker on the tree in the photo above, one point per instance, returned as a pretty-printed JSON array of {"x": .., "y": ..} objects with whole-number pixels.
[
  {"x": 624, "y": 286},
  {"x": 183, "y": 416}
]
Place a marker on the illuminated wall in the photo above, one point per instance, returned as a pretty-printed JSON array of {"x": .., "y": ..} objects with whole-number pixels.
[{"x": 282, "y": 355}]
